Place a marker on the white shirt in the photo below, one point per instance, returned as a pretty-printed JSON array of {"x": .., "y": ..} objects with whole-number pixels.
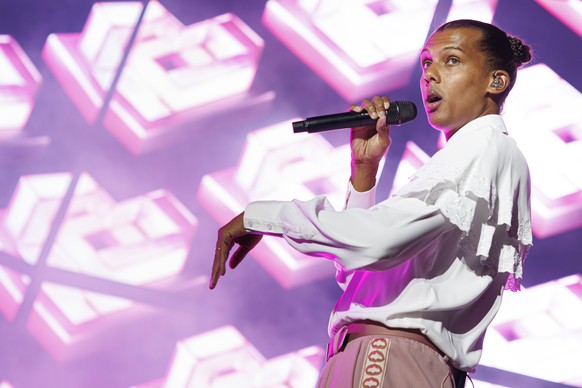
[{"x": 437, "y": 255}]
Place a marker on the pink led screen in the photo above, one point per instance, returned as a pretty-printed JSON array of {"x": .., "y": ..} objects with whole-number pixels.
[
  {"x": 175, "y": 73},
  {"x": 130, "y": 131}
]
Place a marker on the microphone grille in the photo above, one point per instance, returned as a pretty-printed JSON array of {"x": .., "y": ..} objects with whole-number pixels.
[{"x": 401, "y": 112}]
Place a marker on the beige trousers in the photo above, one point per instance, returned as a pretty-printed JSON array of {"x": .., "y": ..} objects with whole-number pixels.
[{"x": 376, "y": 361}]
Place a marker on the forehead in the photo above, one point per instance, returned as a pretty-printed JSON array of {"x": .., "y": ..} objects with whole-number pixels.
[{"x": 464, "y": 39}]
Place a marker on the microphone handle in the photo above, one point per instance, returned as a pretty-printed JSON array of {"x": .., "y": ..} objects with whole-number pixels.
[{"x": 344, "y": 120}]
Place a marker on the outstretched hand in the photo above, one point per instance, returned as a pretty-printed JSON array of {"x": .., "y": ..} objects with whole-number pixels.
[{"x": 230, "y": 234}]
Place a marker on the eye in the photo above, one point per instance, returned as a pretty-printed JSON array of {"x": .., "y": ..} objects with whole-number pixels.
[
  {"x": 453, "y": 61},
  {"x": 426, "y": 63}
]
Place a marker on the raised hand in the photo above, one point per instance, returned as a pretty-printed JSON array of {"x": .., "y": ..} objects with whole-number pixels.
[{"x": 369, "y": 143}]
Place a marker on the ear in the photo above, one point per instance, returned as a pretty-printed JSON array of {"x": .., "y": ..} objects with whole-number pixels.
[{"x": 499, "y": 82}]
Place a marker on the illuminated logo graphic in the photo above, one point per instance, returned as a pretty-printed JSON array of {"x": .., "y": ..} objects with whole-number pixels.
[
  {"x": 19, "y": 83},
  {"x": 142, "y": 241},
  {"x": 279, "y": 165},
  {"x": 175, "y": 74},
  {"x": 568, "y": 12},
  {"x": 537, "y": 332},
  {"x": 224, "y": 358},
  {"x": 365, "y": 47},
  {"x": 548, "y": 130}
]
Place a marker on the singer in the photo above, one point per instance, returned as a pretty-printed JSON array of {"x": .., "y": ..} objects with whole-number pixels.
[{"x": 422, "y": 272}]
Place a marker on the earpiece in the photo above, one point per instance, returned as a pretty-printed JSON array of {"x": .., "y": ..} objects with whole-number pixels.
[{"x": 496, "y": 83}]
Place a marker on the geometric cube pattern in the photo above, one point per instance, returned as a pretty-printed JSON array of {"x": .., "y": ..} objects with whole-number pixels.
[
  {"x": 326, "y": 36},
  {"x": 142, "y": 241},
  {"x": 538, "y": 332},
  {"x": 225, "y": 358},
  {"x": 175, "y": 74},
  {"x": 551, "y": 122}
]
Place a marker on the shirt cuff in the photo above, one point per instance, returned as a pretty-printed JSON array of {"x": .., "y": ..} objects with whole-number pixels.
[
  {"x": 360, "y": 199},
  {"x": 263, "y": 217}
]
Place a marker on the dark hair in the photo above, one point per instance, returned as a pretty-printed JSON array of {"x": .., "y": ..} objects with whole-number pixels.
[{"x": 503, "y": 52}]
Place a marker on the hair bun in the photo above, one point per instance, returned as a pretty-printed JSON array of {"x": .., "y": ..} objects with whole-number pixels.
[{"x": 521, "y": 52}]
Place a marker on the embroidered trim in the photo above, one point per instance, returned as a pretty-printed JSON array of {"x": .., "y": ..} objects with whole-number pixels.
[{"x": 375, "y": 364}]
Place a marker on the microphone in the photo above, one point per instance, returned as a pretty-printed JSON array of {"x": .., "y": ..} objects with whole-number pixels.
[{"x": 399, "y": 112}]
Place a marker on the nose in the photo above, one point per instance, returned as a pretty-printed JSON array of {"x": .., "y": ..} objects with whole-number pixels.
[{"x": 430, "y": 74}]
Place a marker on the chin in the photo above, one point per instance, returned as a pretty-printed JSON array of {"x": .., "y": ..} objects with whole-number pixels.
[{"x": 435, "y": 122}]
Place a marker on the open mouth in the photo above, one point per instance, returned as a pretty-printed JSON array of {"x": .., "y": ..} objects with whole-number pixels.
[{"x": 432, "y": 100}]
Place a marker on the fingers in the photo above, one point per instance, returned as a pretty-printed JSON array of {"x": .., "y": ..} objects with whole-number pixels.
[
  {"x": 231, "y": 233},
  {"x": 376, "y": 107},
  {"x": 238, "y": 256},
  {"x": 219, "y": 263}
]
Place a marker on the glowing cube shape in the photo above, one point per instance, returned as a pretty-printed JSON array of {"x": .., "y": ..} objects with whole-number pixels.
[
  {"x": 85, "y": 64},
  {"x": 278, "y": 164},
  {"x": 175, "y": 74},
  {"x": 548, "y": 130},
  {"x": 19, "y": 83},
  {"x": 142, "y": 241},
  {"x": 537, "y": 332},
  {"x": 224, "y": 358},
  {"x": 327, "y": 36},
  {"x": 568, "y": 12}
]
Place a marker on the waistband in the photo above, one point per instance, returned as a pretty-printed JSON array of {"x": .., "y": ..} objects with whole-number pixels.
[{"x": 360, "y": 329}]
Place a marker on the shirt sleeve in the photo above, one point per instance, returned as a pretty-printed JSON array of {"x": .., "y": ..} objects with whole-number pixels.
[
  {"x": 376, "y": 238},
  {"x": 360, "y": 199}
]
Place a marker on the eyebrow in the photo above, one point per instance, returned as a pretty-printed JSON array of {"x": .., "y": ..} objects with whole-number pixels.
[
  {"x": 453, "y": 48},
  {"x": 445, "y": 48}
]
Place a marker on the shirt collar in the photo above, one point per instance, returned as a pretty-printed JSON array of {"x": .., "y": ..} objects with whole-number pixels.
[{"x": 488, "y": 121}]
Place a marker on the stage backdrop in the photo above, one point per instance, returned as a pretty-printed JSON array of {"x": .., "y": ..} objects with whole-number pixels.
[{"x": 130, "y": 131}]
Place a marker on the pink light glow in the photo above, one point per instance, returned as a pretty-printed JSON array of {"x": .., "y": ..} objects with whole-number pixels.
[
  {"x": 19, "y": 83},
  {"x": 12, "y": 288},
  {"x": 482, "y": 10},
  {"x": 568, "y": 12},
  {"x": 175, "y": 74},
  {"x": 224, "y": 358},
  {"x": 326, "y": 35},
  {"x": 277, "y": 164},
  {"x": 537, "y": 332},
  {"x": 140, "y": 241},
  {"x": 412, "y": 159},
  {"x": 548, "y": 130}
]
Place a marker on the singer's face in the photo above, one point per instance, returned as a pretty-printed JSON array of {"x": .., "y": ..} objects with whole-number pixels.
[{"x": 454, "y": 79}]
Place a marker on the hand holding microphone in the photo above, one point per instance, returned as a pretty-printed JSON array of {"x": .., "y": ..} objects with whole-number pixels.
[
  {"x": 399, "y": 112},
  {"x": 370, "y": 135}
]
